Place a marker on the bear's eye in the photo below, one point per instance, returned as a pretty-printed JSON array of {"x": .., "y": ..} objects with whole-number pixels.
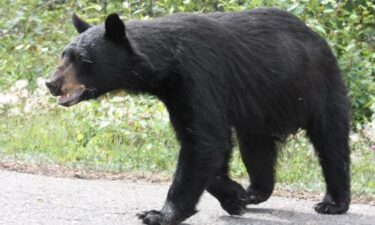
[
  {"x": 84, "y": 59},
  {"x": 87, "y": 61}
]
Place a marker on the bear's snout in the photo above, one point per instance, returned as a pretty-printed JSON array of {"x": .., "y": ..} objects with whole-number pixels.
[{"x": 54, "y": 87}]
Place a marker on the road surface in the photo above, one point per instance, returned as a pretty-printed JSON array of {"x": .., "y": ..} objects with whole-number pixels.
[{"x": 35, "y": 199}]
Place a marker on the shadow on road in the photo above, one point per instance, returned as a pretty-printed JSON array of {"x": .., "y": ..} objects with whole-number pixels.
[{"x": 269, "y": 216}]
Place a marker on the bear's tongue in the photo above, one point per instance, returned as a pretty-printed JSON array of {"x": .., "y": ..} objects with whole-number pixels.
[{"x": 69, "y": 99}]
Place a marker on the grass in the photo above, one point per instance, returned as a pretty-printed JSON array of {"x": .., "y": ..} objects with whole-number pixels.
[
  {"x": 67, "y": 138},
  {"x": 61, "y": 137}
]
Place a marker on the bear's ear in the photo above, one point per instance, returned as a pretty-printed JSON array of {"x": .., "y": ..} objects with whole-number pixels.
[
  {"x": 80, "y": 25},
  {"x": 115, "y": 28}
]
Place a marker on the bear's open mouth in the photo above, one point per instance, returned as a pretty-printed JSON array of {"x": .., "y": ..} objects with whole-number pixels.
[{"x": 70, "y": 98}]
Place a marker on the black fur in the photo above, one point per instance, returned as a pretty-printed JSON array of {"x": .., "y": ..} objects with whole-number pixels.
[{"x": 262, "y": 72}]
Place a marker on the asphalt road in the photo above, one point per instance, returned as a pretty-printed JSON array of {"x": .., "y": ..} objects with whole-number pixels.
[{"x": 34, "y": 199}]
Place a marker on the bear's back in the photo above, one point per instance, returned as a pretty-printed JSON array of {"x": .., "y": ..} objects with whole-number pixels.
[{"x": 264, "y": 60}]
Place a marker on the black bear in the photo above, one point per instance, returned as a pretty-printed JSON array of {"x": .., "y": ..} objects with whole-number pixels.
[{"x": 262, "y": 72}]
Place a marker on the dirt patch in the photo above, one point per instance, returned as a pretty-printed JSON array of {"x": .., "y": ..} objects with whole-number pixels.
[
  {"x": 81, "y": 173},
  {"x": 134, "y": 176}
]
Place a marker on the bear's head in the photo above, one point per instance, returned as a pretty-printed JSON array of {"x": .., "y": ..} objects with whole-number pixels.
[{"x": 99, "y": 60}]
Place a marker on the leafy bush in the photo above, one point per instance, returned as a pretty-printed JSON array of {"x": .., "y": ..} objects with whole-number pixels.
[{"x": 34, "y": 32}]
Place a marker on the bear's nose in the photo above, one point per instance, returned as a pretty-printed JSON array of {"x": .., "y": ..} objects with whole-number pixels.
[
  {"x": 49, "y": 85},
  {"x": 53, "y": 87}
]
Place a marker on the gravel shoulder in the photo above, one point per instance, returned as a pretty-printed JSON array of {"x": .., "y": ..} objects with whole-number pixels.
[{"x": 37, "y": 199}]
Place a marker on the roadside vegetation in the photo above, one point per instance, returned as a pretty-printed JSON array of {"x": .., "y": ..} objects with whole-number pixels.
[{"x": 123, "y": 132}]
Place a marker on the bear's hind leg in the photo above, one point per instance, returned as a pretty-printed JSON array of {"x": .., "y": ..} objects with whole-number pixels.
[
  {"x": 331, "y": 145},
  {"x": 259, "y": 156}
]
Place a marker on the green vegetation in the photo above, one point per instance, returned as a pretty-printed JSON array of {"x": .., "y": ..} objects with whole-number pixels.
[
  {"x": 35, "y": 31},
  {"x": 132, "y": 132}
]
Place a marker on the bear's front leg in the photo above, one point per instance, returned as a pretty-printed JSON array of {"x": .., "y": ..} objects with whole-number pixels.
[
  {"x": 167, "y": 216},
  {"x": 200, "y": 158}
]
